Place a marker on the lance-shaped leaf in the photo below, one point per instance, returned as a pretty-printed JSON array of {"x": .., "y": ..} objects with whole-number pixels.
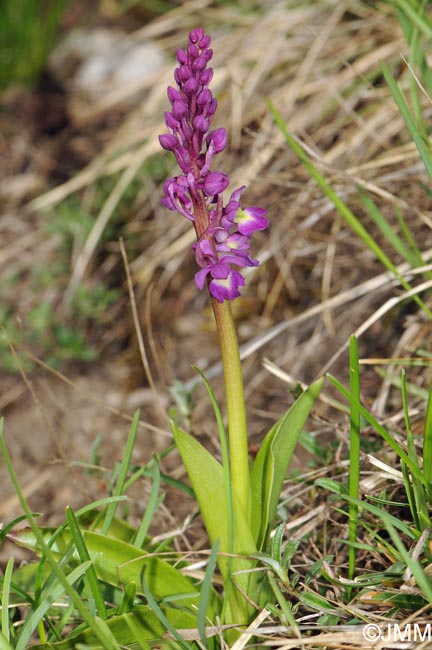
[
  {"x": 271, "y": 464},
  {"x": 208, "y": 481},
  {"x": 139, "y": 628}
]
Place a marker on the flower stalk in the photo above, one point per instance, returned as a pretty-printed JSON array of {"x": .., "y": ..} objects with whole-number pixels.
[
  {"x": 235, "y": 402},
  {"x": 223, "y": 231}
]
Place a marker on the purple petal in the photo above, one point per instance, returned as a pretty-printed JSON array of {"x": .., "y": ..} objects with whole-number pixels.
[
  {"x": 200, "y": 277},
  {"x": 220, "y": 270},
  {"x": 250, "y": 219},
  {"x": 227, "y": 289}
]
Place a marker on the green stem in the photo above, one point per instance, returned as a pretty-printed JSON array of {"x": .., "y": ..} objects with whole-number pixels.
[{"x": 235, "y": 402}]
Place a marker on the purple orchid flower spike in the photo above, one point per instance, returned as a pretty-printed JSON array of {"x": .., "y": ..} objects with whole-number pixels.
[{"x": 223, "y": 232}]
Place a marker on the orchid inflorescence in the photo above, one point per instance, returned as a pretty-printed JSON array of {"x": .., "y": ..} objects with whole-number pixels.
[{"x": 223, "y": 232}]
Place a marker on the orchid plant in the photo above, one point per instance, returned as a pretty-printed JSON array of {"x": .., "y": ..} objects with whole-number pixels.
[
  {"x": 238, "y": 501},
  {"x": 97, "y": 555}
]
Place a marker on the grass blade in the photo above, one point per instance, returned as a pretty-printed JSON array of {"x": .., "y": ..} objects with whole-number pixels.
[
  {"x": 354, "y": 455},
  {"x": 162, "y": 618},
  {"x": 422, "y": 147},
  {"x": 420, "y": 21},
  {"x": 111, "y": 510},
  {"x": 412, "y": 563},
  {"x": 152, "y": 505},
  {"x": 5, "y": 629},
  {"x": 382, "y": 431},
  {"x": 420, "y": 510},
  {"x": 35, "y": 617},
  {"x": 84, "y": 556},
  {"x": 388, "y": 232},
  {"x": 206, "y": 588}
]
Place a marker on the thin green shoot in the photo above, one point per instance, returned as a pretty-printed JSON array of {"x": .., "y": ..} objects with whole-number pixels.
[
  {"x": 161, "y": 616},
  {"x": 411, "y": 562},
  {"x": 128, "y": 599},
  {"x": 119, "y": 488},
  {"x": 286, "y": 614},
  {"x": 84, "y": 556},
  {"x": 415, "y": 251},
  {"x": 391, "y": 235},
  {"x": 420, "y": 510},
  {"x": 5, "y": 629},
  {"x": 382, "y": 432},
  {"x": 354, "y": 457},
  {"x": 421, "y": 21},
  {"x": 152, "y": 505},
  {"x": 205, "y": 592},
  {"x": 422, "y": 147}
]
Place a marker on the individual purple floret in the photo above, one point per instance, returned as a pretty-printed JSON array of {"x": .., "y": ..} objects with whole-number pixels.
[{"x": 223, "y": 232}]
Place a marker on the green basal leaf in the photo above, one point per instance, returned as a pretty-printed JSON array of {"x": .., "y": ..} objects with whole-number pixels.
[
  {"x": 119, "y": 564},
  {"x": 271, "y": 464},
  {"x": 140, "y": 625},
  {"x": 208, "y": 481}
]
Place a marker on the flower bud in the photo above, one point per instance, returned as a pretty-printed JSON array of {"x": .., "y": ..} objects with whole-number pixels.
[
  {"x": 201, "y": 123},
  {"x": 181, "y": 56},
  {"x": 179, "y": 110},
  {"x": 168, "y": 141},
  {"x": 218, "y": 137},
  {"x": 215, "y": 183},
  {"x": 191, "y": 86}
]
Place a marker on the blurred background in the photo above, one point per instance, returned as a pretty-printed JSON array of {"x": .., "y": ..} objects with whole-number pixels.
[{"x": 82, "y": 97}]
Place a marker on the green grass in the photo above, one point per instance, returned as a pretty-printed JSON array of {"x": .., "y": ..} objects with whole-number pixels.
[{"x": 28, "y": 30}]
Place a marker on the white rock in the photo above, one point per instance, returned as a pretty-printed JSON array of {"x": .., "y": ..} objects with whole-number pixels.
[{"x": 100, "y": 61}]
